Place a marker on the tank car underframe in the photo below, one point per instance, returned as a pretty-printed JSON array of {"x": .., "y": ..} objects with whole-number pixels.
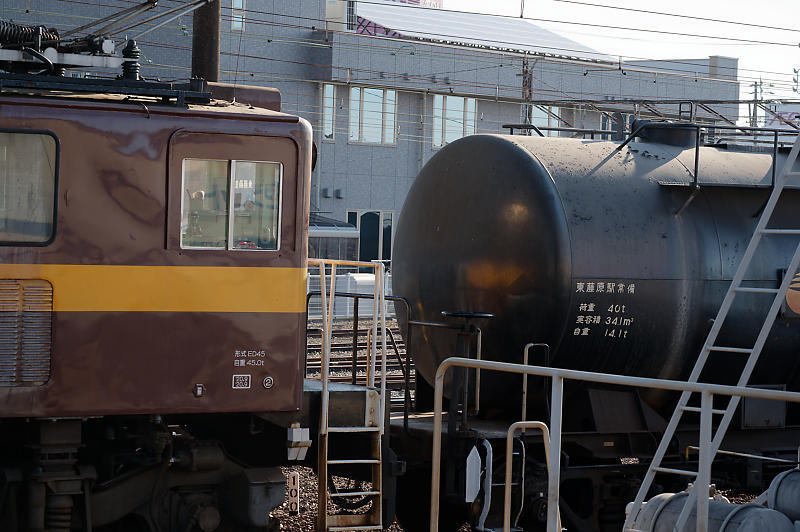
[{"x": 600, "y": 475}]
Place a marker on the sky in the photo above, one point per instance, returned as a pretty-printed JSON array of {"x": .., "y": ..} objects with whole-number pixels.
[{"x": 770, "y": 63}]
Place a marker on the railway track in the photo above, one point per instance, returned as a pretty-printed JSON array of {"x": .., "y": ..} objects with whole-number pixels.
[{"x": 341, "y": 361}]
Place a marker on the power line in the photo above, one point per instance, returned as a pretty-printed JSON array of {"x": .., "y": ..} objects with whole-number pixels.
[
  {"x": 254, "y": 21},
  {"x": 588, "y": 24},
  {"x": 369, "y": 73},
  {"x": 424, "y": 77},
  {"x": 662, "y": 70},
  {"x": 321, "y": 21},
  {"x": 662, "y": 13}
]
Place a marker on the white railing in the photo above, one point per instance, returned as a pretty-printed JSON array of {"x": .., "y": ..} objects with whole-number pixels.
[
  {"x": 522, "y": 425},
  {"x": 328, "y": 296},
  {"x": 557, "y": 377},
  {"x": 352, "y": 283}
]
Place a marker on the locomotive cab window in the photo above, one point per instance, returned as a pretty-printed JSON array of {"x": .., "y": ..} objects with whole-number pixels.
[
  {"x": 28, "y": 166},
  {"x": 232, "y": 205}
]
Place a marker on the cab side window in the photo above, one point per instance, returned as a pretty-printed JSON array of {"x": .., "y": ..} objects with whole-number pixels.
[
  {"x": 233, "y": 205},
  {"x": 28, "y": 167}
]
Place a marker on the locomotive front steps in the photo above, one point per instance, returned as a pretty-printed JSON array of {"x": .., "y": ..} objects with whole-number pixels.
[
  {"x": 350, "y": 405},
  {"x": 353, "y": 437}
]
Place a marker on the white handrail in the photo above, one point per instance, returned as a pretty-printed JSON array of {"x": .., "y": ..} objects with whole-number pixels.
[
  {"x": 325, "y": 351},
  {"x": 381, "y": 271},
  {"x": 558, "y": 377},
  {"x": 378, "y": 315},
  {"x": 522, "y": 425}
]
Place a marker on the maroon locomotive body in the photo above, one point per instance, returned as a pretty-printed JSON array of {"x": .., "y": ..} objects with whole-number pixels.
[{"x": 152, "y": 278}]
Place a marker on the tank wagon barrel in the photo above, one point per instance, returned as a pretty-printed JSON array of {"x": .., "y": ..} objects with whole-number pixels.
[
  {"x": 594, "y": 251},
  {"x": 613, "y": 258}
]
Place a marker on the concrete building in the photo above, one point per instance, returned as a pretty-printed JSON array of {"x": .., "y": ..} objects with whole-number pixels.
[{"x": 386, "y": 84}]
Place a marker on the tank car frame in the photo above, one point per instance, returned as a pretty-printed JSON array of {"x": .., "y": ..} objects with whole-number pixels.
[{"x": 536, "y": 232}]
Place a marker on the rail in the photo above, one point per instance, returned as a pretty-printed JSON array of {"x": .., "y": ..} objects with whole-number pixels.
[
  {"x": 405, "y": 368},
  {"x": 557, "y": 377}
]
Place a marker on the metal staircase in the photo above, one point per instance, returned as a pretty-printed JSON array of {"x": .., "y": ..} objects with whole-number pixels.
[
  {"x": 369, "y": 432},
  {"x": 710, "y": 445}
]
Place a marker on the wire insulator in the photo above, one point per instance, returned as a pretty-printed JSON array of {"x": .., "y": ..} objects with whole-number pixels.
[{"x": 130, "y": 69}]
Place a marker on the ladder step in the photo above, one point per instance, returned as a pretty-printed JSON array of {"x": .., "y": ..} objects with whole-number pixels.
[
  {"x": 355, "y": 494},
  {"x": 697, "y": 409},
  {"x": 742, "y": 350},
  {"x": 792, "y": 174},
  {"x": 360, "y": 527},
  {"x": 780, "y": 232},
  {"x": 675, "y": 471},
  {"x": 756, "y": 290},
  {"x": 351, "y": 462},
  {"x": 366, "y": 521},
  {"x": 354, "y": 429}
]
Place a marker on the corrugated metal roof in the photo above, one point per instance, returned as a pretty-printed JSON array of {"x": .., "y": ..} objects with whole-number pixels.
[{"x": 486, "y": 31}]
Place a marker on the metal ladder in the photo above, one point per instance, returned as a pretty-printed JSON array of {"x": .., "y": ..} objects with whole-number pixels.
[
  {"x": 374, "y": 422},
  {"x": 712, "y": 444}
]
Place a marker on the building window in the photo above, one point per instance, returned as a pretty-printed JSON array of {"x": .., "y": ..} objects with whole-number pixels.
[
  {"x": 237, "y": 15},
  {"x": 328, "y": 111},
  {"x": 27, "y": 187},
  {"x": 544, "y": 117},
  {"x": 206, "y": 222},
  {"x": 376, "y": 230},
  {"x": 453, "y": 118},
  {"x": 372, "y": 115}
]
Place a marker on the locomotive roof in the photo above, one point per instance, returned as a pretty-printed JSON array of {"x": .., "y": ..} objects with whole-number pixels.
[
  {"x": 197, "y": 95},
  {"x": 149, "y": 103}
]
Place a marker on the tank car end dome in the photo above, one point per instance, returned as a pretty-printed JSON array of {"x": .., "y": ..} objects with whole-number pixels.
[{"x": 483, "y": 229}]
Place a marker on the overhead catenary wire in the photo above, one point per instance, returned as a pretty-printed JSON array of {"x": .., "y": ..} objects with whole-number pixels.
[
  {"x": 315, "y": 108},
  {"x": 592, "y": 25},
  {"x": 577, "y": 23},
  {"x": 682, "y": 16},
  {"x": 689, "y": 74},
  {"x": 314, "y": 111},
  {"x": 253, "y": 21},
  {"x": 373, "y": 75},
  {"x": 321, "y": 21},
  {"x": 266, "y": 58},
  {"x": 310, "y": 19}
]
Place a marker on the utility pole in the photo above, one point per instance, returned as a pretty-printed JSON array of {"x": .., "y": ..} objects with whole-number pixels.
[
  {"x": 758, "y": 90},
  {"x": 205, "y": 42},
  {"x": 527, "y": 94}
]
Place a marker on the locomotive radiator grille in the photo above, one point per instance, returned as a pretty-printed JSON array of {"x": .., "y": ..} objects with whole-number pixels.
[{"x": 26, "y": 308}]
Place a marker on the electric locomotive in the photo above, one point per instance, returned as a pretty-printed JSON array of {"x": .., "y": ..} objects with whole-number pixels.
[{"x": 153, "y": 251}]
